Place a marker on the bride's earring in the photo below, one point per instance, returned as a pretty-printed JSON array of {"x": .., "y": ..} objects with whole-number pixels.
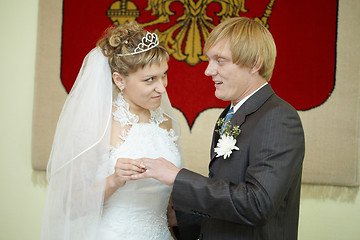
[{"x": 119, "y": 82}]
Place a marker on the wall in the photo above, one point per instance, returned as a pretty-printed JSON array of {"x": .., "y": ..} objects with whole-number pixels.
[
  {"x": 326, "y": 212},
  {"x": 21, "y": 203}
]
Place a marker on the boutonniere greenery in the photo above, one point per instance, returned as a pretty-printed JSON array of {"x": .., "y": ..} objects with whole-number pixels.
[{"x": 227, "y": 140}]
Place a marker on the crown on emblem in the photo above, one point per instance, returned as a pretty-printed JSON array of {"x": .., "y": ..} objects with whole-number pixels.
[{"x": 148, "y": 42}]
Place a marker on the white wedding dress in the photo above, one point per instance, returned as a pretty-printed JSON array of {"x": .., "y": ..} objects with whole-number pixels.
[{"x": 137, "y": 210}]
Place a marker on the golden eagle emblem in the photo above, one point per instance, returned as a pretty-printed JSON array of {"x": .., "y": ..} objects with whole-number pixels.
[{"x": 190, "y": 30}]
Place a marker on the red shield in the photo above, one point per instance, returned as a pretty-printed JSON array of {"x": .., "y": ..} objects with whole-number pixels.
[{"x": 305, "y": 35}]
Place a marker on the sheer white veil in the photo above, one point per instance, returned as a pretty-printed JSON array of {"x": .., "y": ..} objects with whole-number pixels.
[
  {"x": 80, "y": 152},
  {"x": 75, "y": 196}
]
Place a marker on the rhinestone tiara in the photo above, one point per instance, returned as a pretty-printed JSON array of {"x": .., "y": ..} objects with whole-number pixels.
[{"x": 148, "y": 42}]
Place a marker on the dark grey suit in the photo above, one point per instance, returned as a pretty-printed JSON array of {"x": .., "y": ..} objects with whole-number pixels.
[{"x": 255, "y": 193}]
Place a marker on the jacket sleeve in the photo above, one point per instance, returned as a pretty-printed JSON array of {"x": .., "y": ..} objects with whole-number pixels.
[{"x": 188, "y": 226}]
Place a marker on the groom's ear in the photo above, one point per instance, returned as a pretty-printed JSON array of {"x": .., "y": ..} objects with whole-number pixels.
[
  {"x": 118, "y": 80},
  {"x": 257, "y": 65}
]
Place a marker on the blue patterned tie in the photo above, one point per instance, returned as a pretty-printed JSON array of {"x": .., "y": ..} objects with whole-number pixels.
[{"x": 229, "y": 114}]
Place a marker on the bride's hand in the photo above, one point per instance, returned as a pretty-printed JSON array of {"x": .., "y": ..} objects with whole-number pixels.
[{"x": 126, "y": 167}]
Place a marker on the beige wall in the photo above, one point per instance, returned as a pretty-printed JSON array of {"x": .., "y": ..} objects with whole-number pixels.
[
  {"x": 326, "y": 212},
  {"x": 21, "y": 203}
]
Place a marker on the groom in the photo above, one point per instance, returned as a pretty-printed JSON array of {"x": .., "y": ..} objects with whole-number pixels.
[{"x": 253, "y": 188}]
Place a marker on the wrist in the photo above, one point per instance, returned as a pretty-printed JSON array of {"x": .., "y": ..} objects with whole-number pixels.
[
  {"x": 175, "y": 173},
  {"x": 114, "y": 182}
]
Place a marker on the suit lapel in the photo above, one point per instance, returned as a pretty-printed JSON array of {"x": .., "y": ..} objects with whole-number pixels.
[
  {"x": 249, "y": 106},
  {"x": 216, "y": 136}
]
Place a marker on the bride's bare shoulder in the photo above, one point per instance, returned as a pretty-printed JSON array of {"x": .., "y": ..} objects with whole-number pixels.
[
  {"x": 166, "y": 124},
  {"x": 117, "y": 132}
]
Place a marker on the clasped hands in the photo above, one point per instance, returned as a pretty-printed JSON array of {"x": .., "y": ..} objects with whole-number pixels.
[
  {"x": 160, "y": 169},
  {"x": 133, "y": 169}
]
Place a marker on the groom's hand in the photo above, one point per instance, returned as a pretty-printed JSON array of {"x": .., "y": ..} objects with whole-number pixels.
[
  {"x": 159, "y": 169},
  {"x": 171, "y": 216}
]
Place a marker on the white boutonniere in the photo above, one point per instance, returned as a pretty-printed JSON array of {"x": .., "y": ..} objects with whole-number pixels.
[{"x": 227, "y": 140}]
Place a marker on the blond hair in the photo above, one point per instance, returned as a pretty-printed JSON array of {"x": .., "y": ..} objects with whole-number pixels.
[
  {"x": 124, "y": 39},
  {"x": 250, "y": 43}
]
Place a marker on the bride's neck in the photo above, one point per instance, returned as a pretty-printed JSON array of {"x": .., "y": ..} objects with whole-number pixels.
[
  {"x": 125, "y": 111},
  {"x": 142, "y": 113}
]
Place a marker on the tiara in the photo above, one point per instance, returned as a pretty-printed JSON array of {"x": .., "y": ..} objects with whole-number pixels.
[{"x": 148, "y": 42}]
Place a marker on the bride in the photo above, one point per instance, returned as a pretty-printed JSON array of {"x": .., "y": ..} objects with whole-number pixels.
[{"x": 117, "y": 110}]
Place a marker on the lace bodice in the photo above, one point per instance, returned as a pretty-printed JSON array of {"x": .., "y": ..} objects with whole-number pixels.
[
  {"x": 138, "y": 210},
  {"x": 123, "y": 115}
]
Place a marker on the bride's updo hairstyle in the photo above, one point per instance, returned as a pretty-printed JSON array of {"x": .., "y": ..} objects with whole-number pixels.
[{"x": 123, "y": 39}]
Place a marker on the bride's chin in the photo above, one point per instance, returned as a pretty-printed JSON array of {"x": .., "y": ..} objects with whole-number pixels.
[{"x": 154, "y": 107}]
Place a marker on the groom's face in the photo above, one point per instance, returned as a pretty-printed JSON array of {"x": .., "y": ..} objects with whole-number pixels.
[{"x": 232, "y": 81}]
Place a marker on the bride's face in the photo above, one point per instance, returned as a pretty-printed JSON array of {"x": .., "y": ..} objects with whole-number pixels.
[{"x": 143, "y": 89}]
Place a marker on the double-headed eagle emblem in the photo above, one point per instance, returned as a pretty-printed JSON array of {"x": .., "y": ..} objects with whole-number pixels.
[{"x": 184, "y": 39}]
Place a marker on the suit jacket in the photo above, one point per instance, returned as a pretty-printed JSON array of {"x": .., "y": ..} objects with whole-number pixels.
[{"x": 255, "y": 193}]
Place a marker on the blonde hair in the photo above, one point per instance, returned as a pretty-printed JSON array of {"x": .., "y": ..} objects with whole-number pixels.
[
  {"x": 124, "y": 39},
  {"x": 250, "y": 43}
]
